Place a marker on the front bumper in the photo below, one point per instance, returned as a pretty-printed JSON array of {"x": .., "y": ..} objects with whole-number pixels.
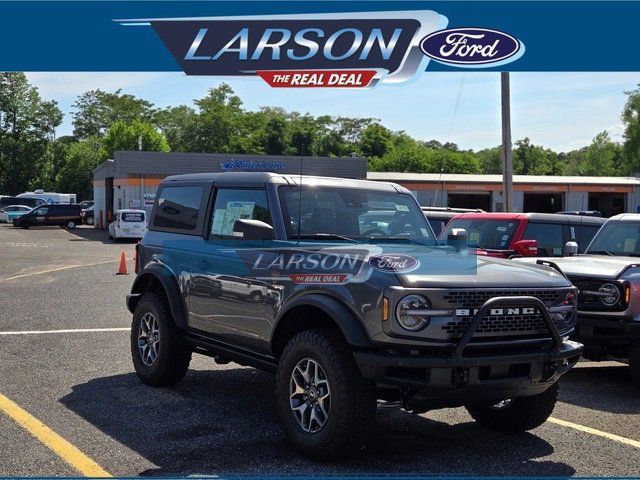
[
  {"x": 470, "y": 372},
  {"x": 602, "y": 336}
]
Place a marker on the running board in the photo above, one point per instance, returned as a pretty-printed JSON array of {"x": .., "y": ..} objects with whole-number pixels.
[{"x": 213, "y": 348}]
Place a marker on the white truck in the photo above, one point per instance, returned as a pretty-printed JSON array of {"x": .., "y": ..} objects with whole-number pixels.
[{"x": 50, "y": 197}]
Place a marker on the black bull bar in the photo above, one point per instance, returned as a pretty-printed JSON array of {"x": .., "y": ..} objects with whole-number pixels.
[{"x": 520, "y": 301}]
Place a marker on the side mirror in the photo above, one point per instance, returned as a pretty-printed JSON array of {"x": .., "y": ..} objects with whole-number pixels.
[
  {"x": 252, "y": 230},
  {"x": 526, "y": 248},
  {"x": 458, "y": 238},
  {"x": 570, "y": 249}
]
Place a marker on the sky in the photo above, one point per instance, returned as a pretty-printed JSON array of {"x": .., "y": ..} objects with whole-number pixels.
[{"x": 561, "y": 111}]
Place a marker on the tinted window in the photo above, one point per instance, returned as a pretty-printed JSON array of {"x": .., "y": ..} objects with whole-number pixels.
[
  {"x": 232, "y": 205},
  {"x": 585, "y": 234},
  {"x": 484, "y": 233},
  {"x": 178, "y": 207},
  {"x": 437, "y": 224},
  {"x": 353, "y": 213},
  {"x": 132, "y": 217},
  {"x": 549, "y": 237}
]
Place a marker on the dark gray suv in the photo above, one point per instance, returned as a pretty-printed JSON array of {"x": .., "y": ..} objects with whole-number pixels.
[{"x": 339, "y": 287}]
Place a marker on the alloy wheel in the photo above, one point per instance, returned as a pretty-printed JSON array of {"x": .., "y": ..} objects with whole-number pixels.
[
  {"x": 148, "y": 339},
  {"x": 309, "y": 395}
]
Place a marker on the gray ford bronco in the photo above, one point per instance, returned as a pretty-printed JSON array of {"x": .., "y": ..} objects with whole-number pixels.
[
  {"x": 339, "y": 287},
  {"x": 608, "y": 278}
]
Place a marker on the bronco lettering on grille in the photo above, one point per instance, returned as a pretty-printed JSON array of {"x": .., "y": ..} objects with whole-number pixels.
[{"x": 466, "y": 312}]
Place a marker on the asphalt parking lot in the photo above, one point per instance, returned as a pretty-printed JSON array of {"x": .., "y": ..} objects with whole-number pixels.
[{"x": 70, "y": 403}]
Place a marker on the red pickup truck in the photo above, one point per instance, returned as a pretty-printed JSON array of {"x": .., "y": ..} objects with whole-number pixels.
[{"x": 524, "y": 234}]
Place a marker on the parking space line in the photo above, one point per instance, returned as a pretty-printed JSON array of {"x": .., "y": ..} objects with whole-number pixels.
[
  {"x": 66, "y": 267},
  {"x": 68, "y": 330},
  {"x": 61, "y": 447},
  {"x": 593, "y": 431}
]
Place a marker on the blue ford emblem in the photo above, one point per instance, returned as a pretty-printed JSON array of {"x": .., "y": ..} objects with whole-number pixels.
[
  {"x": 472, "y": 47},
  {"x": 394, "y": 263}
]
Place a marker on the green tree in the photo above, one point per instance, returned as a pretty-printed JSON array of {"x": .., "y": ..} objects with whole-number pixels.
[
  {"x": 216, "y": 128},
  {"x": 631, "y": 120},
  {"x": 491, "y": 160},
  {"x": 529, "y": 159},
  {"x": 601, "y": 158},
  {"x": 96, "y": 110},
  {"x": 375, "y": 141},
  {"x": 76, "y": 174},
  {"x": 132, "y": 136},
  {"x": 27, "y": 129},
  {"x": 176, "y": 123}
]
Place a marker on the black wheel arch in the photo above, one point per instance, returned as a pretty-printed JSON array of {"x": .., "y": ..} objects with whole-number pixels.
[
  {"x": 318, "y": 310},
  {"x": 157, "y": 277}
]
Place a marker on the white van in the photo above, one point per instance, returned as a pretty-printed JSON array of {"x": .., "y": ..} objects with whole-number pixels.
[{"x": 128, "y": 223}]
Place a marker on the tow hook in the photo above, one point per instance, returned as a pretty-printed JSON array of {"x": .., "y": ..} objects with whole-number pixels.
[
  {"x": 460, "y": 377},
  {"x": 550, "y": 371}
]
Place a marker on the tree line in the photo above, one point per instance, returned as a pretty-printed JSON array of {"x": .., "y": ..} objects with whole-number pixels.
[{"x": 31, "y": 156}]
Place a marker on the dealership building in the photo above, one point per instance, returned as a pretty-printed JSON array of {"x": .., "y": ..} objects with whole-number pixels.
[
  {"x": 532, "y": 193},
  {"x": 130, "y": 180}
]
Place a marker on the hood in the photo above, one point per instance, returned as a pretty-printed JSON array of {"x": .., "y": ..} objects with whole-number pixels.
[
  {"x": 600, "y": 266},
  {"x": 439, "y": 267}
]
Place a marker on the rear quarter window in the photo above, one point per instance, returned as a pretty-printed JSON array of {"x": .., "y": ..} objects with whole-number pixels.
[
  {"x": 178, "y": 207},
  {"x": 549, "y": 236}
]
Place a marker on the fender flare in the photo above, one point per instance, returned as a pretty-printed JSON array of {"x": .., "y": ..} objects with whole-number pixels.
[
  {"x": 175, "y": 300},
  {"x": 350, "y": 326}
]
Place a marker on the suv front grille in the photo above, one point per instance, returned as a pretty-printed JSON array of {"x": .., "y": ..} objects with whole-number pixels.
[
  {"x": 476, "y": 298},
  {"x": 519, "y": 325},
  {"x": 499, "y": 326}
]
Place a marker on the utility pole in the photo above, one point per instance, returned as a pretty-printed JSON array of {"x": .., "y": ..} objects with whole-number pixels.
[{"x": 507, "y": 160}]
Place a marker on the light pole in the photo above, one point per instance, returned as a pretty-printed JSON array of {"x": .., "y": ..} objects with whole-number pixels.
[{"x": 507, "y": 160}]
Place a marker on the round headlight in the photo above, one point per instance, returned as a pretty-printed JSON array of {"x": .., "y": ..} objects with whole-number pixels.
[
  {"x": 611, "y": 294},
  {"x": 410, "y": 312}
]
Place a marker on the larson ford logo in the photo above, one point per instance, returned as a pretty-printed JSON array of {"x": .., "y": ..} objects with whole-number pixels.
[
  {"x": 472, "y": 47},
  {"x": 396, "y": 263}
]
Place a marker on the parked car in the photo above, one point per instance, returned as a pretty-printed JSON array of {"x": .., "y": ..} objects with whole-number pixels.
[
  {"x": 88, "y": 215},
  {"x": 438, "y": 217},
  {"x": 86, "y": 204},
  {"x": 128, "y": 223},
  {"x": 7, "y": 214},
  {"x": 608, "y": 278},
  {"x": 524, "y": 234},
  {"x": 355, "y": 316},
  {"x": 67, "y": 216}
]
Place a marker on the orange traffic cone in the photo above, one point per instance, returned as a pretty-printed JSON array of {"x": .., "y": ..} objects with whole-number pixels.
[{"x": 123, "y": 266}]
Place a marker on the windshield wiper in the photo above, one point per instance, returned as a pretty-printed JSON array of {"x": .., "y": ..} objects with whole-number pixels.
[{"x": 327, "y": 236}]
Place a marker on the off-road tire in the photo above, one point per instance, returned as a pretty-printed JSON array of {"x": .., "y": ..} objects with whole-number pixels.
[
  {"x": 634, "y": 364},
  {"x": 172, "y": 361},
  {"x": 353, "y": 405},
  {"x": 524, "y": 413}
]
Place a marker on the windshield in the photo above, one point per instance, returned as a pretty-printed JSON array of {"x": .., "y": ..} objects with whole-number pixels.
[
  {"x": 484, "y": 233},
  {"x": 617, "y": 238},
  {"x": 353, "y": 214}
]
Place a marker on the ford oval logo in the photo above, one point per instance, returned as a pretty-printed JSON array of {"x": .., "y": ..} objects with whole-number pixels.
[
  {"x": 472, "y": 47},
  {"x": 394, "y": 263}
]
